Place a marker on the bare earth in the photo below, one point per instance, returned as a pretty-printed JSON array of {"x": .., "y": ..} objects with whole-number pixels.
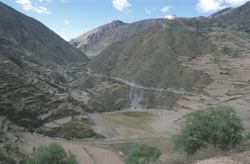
[
  {"x": 86, "y": 153},
  {"x": 239, "y": 158},
  {"x": 102, "y": 128},
  {"x": 230, "y": 86}
]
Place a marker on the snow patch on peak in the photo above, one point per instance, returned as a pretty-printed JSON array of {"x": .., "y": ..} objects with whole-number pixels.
[{"x": 172, "y": 16}]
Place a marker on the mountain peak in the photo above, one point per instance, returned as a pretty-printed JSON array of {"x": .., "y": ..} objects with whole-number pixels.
[
  {"x": 116, "y": 23},
  {"x": 172, "y": 16},
  {"x": 96, "y": 40}
]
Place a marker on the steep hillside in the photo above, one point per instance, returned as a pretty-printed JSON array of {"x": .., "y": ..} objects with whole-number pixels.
[
  {"x": 94, "y": 41},
  {"x": 221, "y": 12},
  {"x": 236, "y": 20},
  {"x": 151, "y": 57},
  {"x": 20, "y": 31},
  {"x": 84, "y": 38},
  {"x": 35, "y": 67},
  {"x": 230, "y": 32},
  {"x": 160, "y": 56}
]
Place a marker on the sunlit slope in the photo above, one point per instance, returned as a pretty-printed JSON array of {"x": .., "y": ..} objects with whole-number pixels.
[{"x": 151, "y": 57}]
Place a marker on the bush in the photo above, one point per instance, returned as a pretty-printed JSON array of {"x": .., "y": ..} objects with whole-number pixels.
[
  {"x": 51, "y": 154},
  {"x": 24, "y": 117},
  {"x": 218, "y": 126},
  {"x": 6, "y": 160},
  {"x": 143, "y": 155}
]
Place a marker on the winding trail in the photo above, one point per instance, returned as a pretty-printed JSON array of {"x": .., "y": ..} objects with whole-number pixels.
[
  {"x": 169, "y": 90},
  {"x": 100, "y": 142},
  {"x": 129, "y": 141},
  {"x": 134, "y": 85}
]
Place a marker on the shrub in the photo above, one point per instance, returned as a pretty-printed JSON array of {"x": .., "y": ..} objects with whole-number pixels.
[
  {"x": 218, "y": 126},
  {"x": 143, "y": 155},
  {"x": 51, "y": 154}
]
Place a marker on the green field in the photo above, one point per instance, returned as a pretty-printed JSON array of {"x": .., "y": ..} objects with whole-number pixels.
[{"x": 137, "y": 125}]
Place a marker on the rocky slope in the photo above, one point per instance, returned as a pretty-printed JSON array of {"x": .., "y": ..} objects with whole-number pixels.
[
  {"x": 36, "y": 67},
  {"x": 221, "y": 12},
  {"x": 160, "y": 57},
  {"x": 180, "y": 64},
  {"x": 150, "y": 58},
  {"x": 93, "y": 42},
  {"x": 33, "y": 60}
]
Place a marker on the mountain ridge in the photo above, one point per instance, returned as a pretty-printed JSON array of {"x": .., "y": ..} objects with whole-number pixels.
[
  {"x": 35, "y": 65},
  {"x": 27, "y": 37},
  {"x": 154, "y": 57},
  {"x": 96, "y": 40},
  {"x": 114, "y": 24}
]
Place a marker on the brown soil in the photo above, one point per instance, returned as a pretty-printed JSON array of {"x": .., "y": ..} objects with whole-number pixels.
[{"x": 239, "y": 158}]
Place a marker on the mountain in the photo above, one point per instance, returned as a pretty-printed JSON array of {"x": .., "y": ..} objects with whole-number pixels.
[
  {"x": 19, "y": 30},
  {"x": 96, "y": 40},
  {"x": 221, "y": 12},
  {"x": 180, "y": 65},
  {"x": 237, "y": 19},
  {"x": 103, "y": 28},
  {"x": 151, "y": 57},
  {"x": 35, "y": 65},
  {"x": 172, "y": 16},
  {"x": 195, "y": 55}
]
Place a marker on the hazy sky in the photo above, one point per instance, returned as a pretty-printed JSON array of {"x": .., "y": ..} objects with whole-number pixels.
[{"x": 70, "y": 18}]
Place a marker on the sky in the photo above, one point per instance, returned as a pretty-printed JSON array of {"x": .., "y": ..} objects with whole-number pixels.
[{"x": 71, "y": 18}]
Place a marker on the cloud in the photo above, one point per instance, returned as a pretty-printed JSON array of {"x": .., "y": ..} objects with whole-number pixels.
[
  {"x": 66, "y": 21},
  {"x": 148, "y": 11},
  {"x": 120, "y": 4},
  {"x": 208, "y": 6},
  {"x": 165, "y": 9},
  {"x": 27, "y": 5},
  {"x": 236, "y": 2}
]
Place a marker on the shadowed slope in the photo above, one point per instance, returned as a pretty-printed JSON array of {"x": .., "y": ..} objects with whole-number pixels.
[{"x": 22, "y": 32}]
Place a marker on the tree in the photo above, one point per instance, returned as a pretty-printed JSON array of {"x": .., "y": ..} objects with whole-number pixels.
[
  {"x": 143, "y": 155},
  {"x": 219, "y": 126},
  {"x": 51, "y": 154}
]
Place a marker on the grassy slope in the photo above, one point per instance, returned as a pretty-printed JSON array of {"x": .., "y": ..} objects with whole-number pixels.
[{"x": 150, "y": 58}]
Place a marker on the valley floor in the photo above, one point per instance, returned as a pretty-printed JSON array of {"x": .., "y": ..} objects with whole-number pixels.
[{"x": 126, "y": 129}]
